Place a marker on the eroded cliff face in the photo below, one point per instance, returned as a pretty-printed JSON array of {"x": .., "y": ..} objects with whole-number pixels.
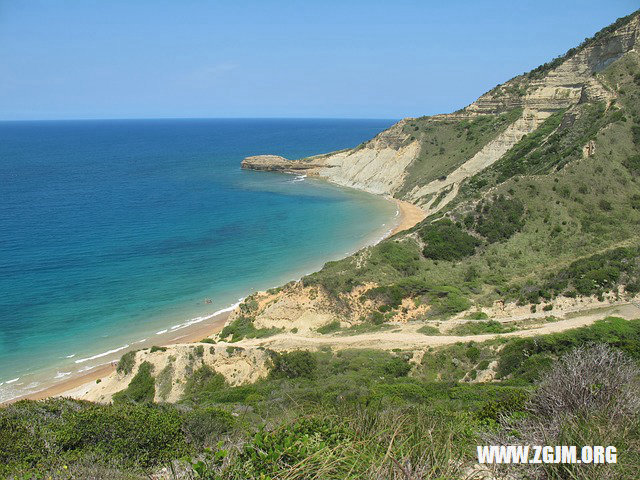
[
  {"x": 380, "y": 165},
  {"x": 173, "y": 365},
  {"x": 377, "y": 166}
]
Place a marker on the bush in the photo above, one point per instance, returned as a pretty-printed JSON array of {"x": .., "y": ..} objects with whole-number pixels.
[
  {"x": 428, "y": 330},
  {"x": 516, "y": 356},
  {"x": 242, "y": 327},
  {"x": 155, "y": 348},
  {"x": 299, "y": 363},
  {"x": 329, "y": 327},
  {"x": 126, "y": 363},
  {"x": 203, "y": 384},
  {"x": 507, "y": 401},
  {"x": 203, "y": 426},
  {"x": 400, "y": 255},
  {"x": 633, "y": 164},
  {"x": 397, "y": 367},
  {"x": 139, "y": 435},
  {"x": 447, "y": 241},
  {"x": 500, "y": 219},
  {"x": 590, "y": 378},
  {"x": 605, "y": 205},
  {"x": 141, "y": 389}
]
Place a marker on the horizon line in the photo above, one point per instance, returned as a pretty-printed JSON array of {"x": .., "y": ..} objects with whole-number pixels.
[{"x": 85, "y": 119}]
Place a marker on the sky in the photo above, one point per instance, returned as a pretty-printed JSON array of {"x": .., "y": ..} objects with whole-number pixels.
[{"x": 72, "y": 59}]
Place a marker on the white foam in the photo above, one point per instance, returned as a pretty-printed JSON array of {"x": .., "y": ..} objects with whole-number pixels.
[
  {"x": 195, "y": 320},
  {"x": 299, "y": 178},
  {"x": 142, "y": 341},
  {"x": 103, "y": 354},
  {"x": 12, "y": 381},
  {"x": 62, "y": 374},
  {"x": 70, "y": 356}
]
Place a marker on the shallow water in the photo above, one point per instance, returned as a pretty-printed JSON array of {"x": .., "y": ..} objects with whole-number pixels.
[{"x": 113, "y": 231}]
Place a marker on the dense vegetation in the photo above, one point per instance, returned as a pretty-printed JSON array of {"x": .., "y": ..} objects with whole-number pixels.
[{"x": 345, "y": 414}]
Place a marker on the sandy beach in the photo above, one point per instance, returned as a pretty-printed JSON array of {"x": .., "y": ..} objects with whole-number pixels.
[
  {"x": 409, "y": 215},
  {"x": 194, "y": 333}
]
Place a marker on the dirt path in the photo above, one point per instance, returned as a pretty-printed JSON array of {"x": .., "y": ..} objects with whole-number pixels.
[{"x": 407, "y": 337}]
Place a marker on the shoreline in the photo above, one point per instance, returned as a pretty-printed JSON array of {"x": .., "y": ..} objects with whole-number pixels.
[
  {"x": 407, "y": 216},
  {"x": 194, "y": 334}
]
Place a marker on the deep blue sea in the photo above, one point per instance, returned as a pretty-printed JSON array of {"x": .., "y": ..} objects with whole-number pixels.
[{"x": 113, "y": 231}]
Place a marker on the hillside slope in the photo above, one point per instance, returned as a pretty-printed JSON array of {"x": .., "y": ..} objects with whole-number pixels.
[
  {"x": 533, "y": 193},
  {"x": 425, "y": 160}
]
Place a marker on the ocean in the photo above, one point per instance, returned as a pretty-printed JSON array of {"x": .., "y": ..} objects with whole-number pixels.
[{"x": 112, "y": 232}]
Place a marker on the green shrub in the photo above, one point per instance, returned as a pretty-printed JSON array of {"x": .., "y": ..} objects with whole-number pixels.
[
  {"x": 499, "y": 219},
  {"x": 139, "y": 435},
  {"x": 329, "y": 327},
  {"x": 269, "y": 453},
  {"x": 299, "y": 363},
  {"x": 481, "y": 328},
  {"x": 526, "y": 358},
  {"x": 126, "y": 363},
  {"x": 397, "y": 367},
  {"x": 203, "y": 384},
  {"x": 428, "y": 330},
  {"x": 633, "y": 164},
  {"x": 478, "y": 315},
  {"x": 199, "y": 351},
  {"x": 141, "y": 389},
  {"x": 507, "y": 401},
  {"x": 400, "y": 255},
  {"x": 242, "y": 327},
  {"x": 155, "y": 348},
  {"x": 203, "y": 426},
  {"x": 447, "y": 241}
]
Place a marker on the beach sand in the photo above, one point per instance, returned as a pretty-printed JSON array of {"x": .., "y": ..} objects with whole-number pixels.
[
  {"x": 194, "y": 333},
  {"x": 409, "y": 215}
]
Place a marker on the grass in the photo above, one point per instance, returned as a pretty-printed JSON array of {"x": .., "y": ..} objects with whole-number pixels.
[
  {"x": 481, "y": 328},
  {"x": 429, "y": 330},
  {"x": 447, "y": 144},
  {"x": 344, "y": 414},
  {"x": 242, "y": 327},
  {"x": 330, "y": 327},
  {"x": 126, "y": 363},
  {"x": 141, "y": 389}
]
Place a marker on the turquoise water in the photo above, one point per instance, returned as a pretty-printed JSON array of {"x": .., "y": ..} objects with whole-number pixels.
[{"x": 113, "y": 231}]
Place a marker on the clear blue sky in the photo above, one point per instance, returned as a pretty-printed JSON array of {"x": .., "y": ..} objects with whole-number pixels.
[{"x": 360, "y": 59}]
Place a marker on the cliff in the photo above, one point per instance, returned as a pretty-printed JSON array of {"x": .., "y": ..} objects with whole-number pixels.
[{"x": 400, "y": 161}]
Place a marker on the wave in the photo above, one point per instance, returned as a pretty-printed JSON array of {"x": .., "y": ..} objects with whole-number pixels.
[
  {"x": 70, "y": 356},
  {"x": 195, "y": 320},
  {"x": 12, "y": 381},
  {"x": 103, "y": 354},
  {"x": 62, "y": 374},
  {"x": 298, "y": 178}
]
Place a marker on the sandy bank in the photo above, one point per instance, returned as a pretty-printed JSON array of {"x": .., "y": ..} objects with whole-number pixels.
[
  {"x": 410, "y": 215},
  {"x": 193, "y": 333}
]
